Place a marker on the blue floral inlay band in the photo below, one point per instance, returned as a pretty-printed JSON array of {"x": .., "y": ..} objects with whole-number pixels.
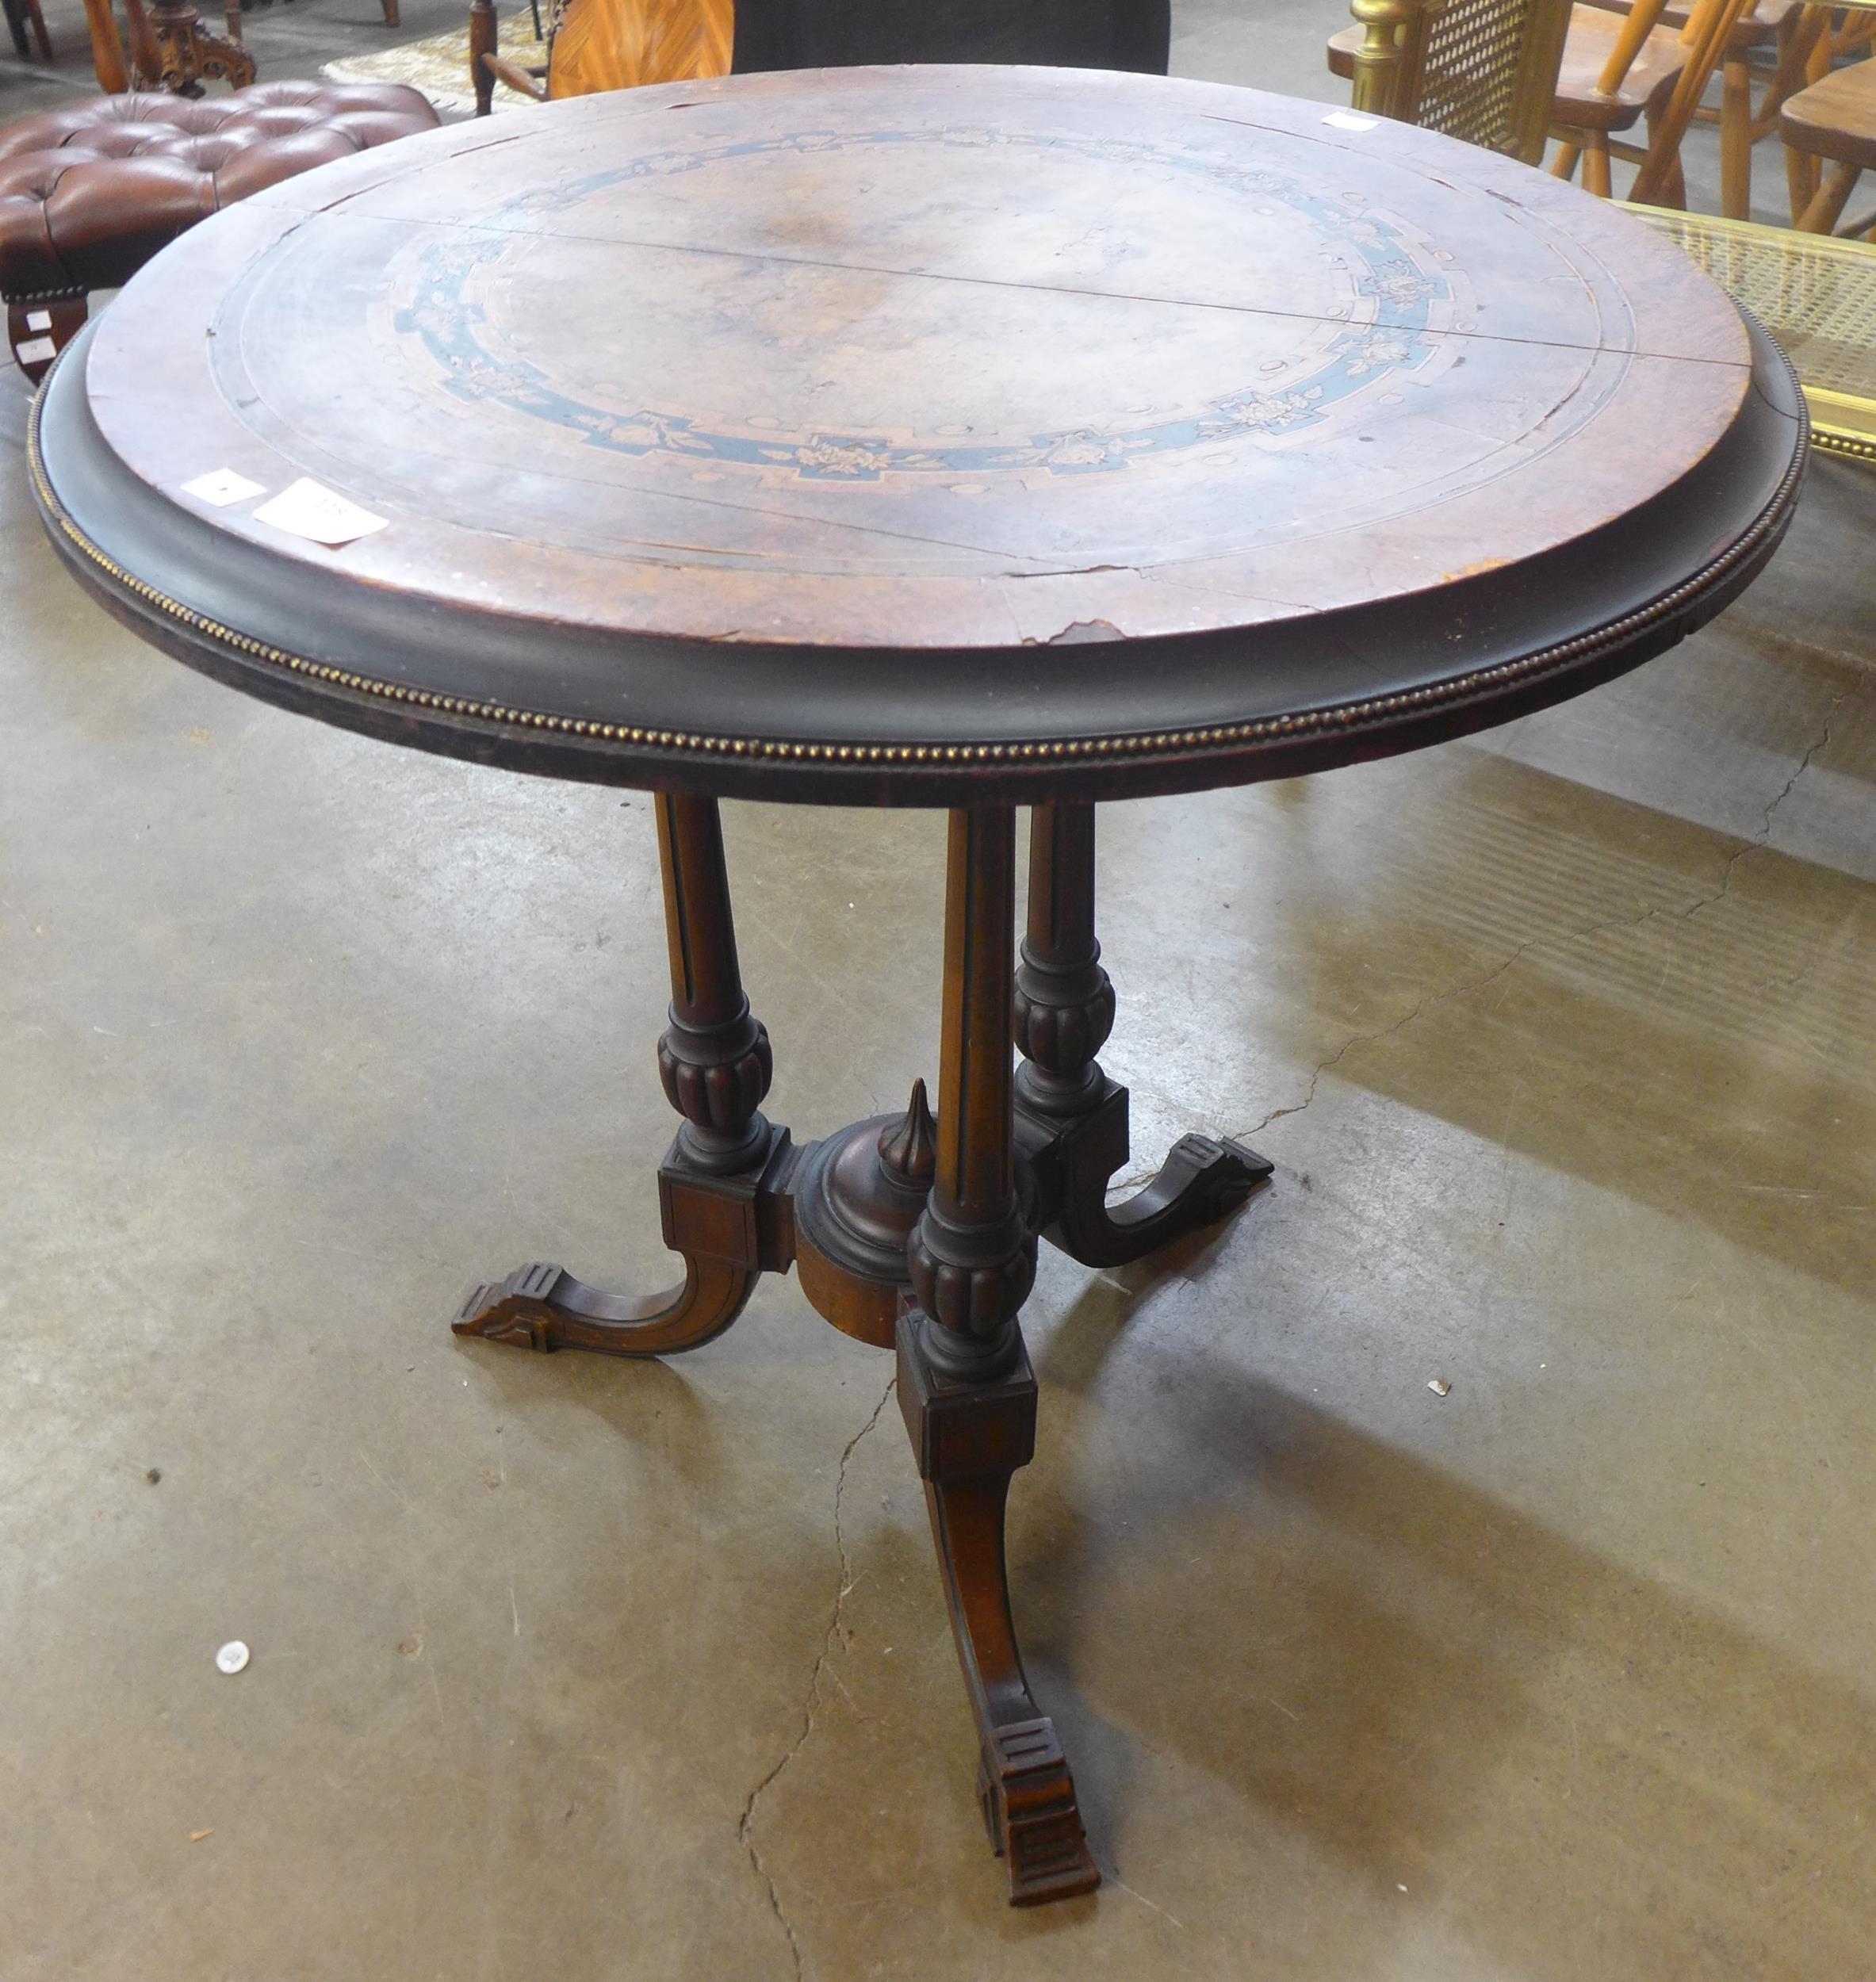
[{"x": 1388, "y": 274}]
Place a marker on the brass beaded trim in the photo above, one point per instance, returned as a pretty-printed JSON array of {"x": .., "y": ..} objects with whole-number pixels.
[
  {"x": 1836, "y": 440},
  {"x": 1274, "y": 729}
]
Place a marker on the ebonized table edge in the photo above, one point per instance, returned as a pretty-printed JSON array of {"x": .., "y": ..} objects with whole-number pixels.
[{"x": 1122, "y": 764}]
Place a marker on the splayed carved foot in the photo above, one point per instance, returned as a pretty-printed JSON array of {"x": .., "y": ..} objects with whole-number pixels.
[{"x": 970, "y": 1434}]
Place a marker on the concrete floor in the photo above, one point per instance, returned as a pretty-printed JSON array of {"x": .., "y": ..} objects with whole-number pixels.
[{"x": 1561, "y": 1042}]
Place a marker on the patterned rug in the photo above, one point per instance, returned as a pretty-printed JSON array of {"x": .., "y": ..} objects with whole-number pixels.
[{"x": 439, "y": 65}]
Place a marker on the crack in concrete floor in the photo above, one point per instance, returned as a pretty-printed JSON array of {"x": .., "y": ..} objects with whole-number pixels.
[
  {"x": 1756, "y": 844},
  {"x": 812, "y": 1706}
]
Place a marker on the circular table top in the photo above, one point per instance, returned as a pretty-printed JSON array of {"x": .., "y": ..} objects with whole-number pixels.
[{"x": 914, "y": 434}]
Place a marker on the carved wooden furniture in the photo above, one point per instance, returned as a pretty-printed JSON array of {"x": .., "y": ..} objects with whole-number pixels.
[
  {"x": 168, "y": 47},
  {"x": 606, "y": 45},
  {"x": 88, "y": 195},
  {"x": 1834, "y": 122},
  {"x": 20, "y": 16},
  {"x": 1244, "y": 444},
  {"x": 1817, "y": 297}
]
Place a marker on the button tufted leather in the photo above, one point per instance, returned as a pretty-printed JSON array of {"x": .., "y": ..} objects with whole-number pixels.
[{"x": 88, "y": 195}]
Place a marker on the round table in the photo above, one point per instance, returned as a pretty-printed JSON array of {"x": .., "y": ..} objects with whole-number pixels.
[{"x": 970, "y": 437}]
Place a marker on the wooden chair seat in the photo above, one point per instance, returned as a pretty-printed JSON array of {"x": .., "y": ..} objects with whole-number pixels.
[
  {"x": 1787, "y": 32},
  {"x": 1580, "y": 105},
  {"x": 1835, "y": 118}
]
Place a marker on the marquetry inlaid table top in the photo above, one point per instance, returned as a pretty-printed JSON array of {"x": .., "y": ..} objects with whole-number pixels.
[{"x": 905, "y": 434}]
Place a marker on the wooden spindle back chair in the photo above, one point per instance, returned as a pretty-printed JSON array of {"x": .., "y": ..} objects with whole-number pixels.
[
  {"x": 1770, "y": 28},
  {"x": 1828, "y": 120},
  {"x": 1679, "y": 67}
]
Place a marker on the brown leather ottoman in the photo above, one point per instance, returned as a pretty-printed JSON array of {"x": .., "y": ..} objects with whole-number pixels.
[{"x": 88, "y": 195}]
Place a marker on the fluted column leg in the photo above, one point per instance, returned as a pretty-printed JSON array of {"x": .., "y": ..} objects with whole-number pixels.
[{"x": 965, "y": 1385}]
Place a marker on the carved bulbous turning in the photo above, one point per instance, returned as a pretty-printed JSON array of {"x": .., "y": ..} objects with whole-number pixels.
[
  {"x": 717, "y": 1093},
  {"x": 1061, "y": 1024},
  {"x": 965, "y": 1293}
]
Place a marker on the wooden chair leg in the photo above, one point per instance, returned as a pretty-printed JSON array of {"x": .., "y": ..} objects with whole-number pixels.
[
  {"x": 1735, "y": 139},
  {"x": 108, "y": 58},
  {"x": 482, "y": 45},
  {"x": 1800, "y": 180},
  {"x": 1595, "y": 167},
  {"x": 1827, "y": 204}
]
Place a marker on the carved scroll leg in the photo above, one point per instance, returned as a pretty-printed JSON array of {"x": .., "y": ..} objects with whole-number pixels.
[
  {"x": 965, "y": 1384},
  {"x": 729, "y": 1230},
  {"x": 969, "y": 1438},
  {"x": 227, "y": 61},
  {"x": 723, "y": 1186},
  {"x": 1071, "y": 1120}
]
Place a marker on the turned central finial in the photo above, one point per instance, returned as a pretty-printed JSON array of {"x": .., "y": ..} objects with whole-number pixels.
[{"x": 908, "y": 1147}]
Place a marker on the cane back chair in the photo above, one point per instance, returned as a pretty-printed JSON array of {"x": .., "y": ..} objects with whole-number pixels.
[
  {"x": 1583, "y": 75},
  {"x": 1481, "y": 70}
]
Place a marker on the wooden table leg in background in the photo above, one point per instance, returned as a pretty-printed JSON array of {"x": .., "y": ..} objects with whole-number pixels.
[
  {"x": 722, "y": 1186},
  {"x": 1071, "y": 1120},
  {"x": 965, "y": 1385}
]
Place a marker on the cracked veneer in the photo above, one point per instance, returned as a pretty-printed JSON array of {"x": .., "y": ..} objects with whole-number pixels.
[
  {"x": 811, "y": 1707},
  {"x": 1756, "y": 844}
]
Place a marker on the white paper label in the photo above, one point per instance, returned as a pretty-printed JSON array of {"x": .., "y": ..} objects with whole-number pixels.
[
  {"x": 39, "y": 319},
  {"x": 1349, "y": 120},
  {"x": 36, "y": 351},
  {"x": 306, "y": 509},
  {"x": 221, "y": 486}
]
